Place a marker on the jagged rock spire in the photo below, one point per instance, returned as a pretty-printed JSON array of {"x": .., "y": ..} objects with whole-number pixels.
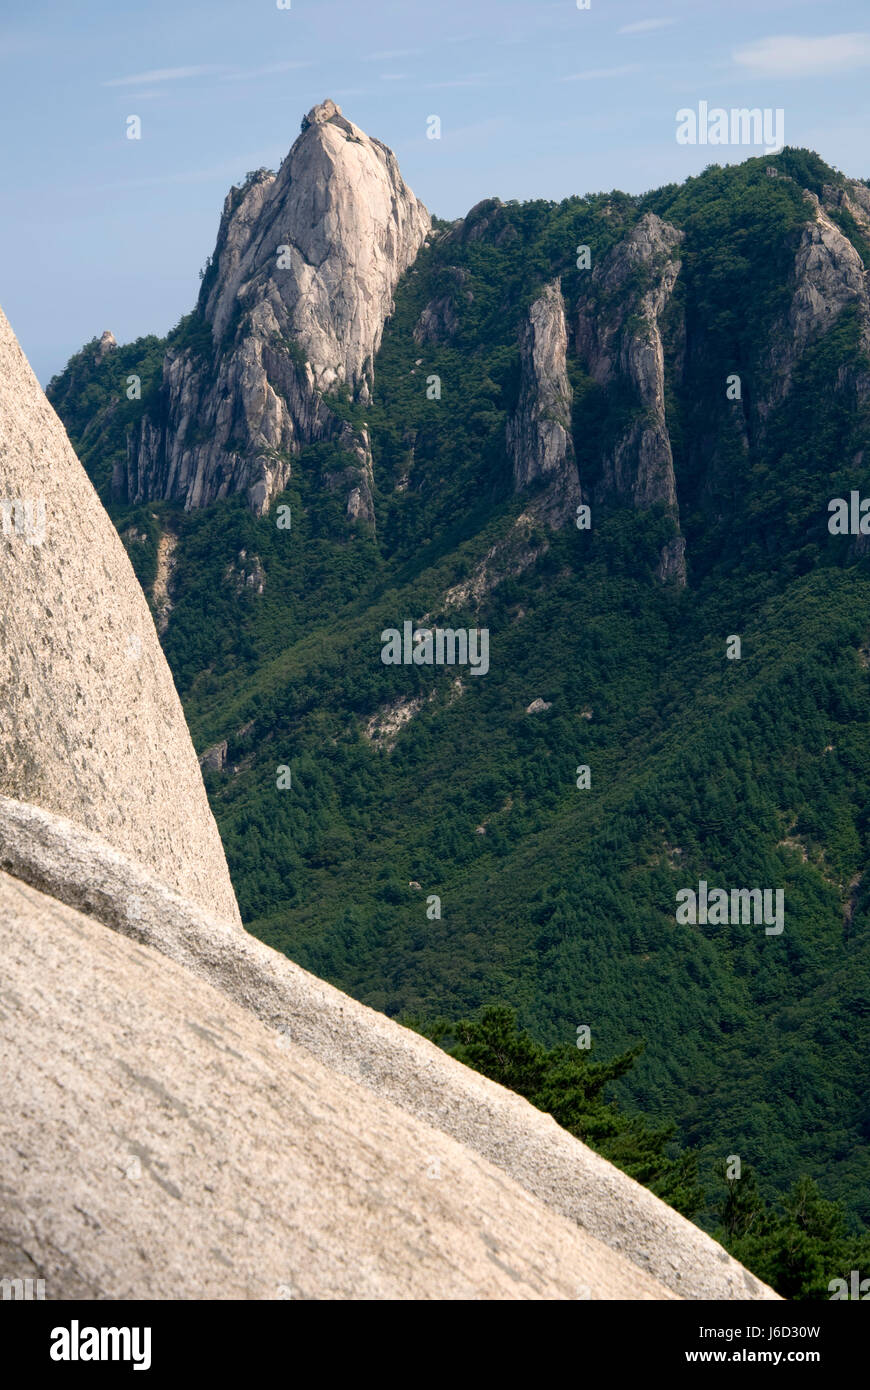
[{"x": 300, "y": 284}]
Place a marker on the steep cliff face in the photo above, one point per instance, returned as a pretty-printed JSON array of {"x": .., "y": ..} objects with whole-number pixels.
[
  {"x": 619, "y": 338},
  {"x": 439, "y": 320},
  {"x": 301, "y": 282},
  {"x": 829, "y": 277},
  {"x": 539, "y": 433},
  {"x": 853, "y": 198},
  {"x": 90, "y": 724}
]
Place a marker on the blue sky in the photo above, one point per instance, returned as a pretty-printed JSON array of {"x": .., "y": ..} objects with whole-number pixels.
[{"x": 537, "y": 98}]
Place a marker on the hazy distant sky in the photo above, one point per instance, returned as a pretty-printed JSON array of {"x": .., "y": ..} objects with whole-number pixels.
[{"x": 537, "y": 98}]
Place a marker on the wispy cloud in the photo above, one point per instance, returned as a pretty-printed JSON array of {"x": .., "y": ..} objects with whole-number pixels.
[
  {"x": 789, "y": 55},
  {"x": 394, "y": 77},
  {"x": 224, "y": 73},
  {"x": 263, "y": 72},
  {"x": 160, "y": 75},
  {"x": 645, "y": 26},
  {"x": 592, "y": 74}
]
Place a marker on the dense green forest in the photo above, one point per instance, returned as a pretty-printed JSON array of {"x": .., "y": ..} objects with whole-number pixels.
[{"x": 556, "y": 902}]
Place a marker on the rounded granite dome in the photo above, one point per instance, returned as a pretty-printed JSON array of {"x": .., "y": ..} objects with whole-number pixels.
[{"x": 91, "y": 726}]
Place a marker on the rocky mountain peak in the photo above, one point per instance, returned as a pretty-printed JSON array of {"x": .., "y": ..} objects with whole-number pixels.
[
  {"x": 296, "y": 295},
  {"x": 107, "y": 344},
  {"x": 319, "y": 115},
  {"x": 318, "y": 250}
]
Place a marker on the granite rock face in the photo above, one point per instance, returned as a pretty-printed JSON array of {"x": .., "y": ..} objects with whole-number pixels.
[
  {"x": 854, "y": 198},
  {"x": 439, "y": 320},
  {"x": 107, "y": 344},
  {"x": 157, "y": 1141},
  {"x": 619, "y": 338},
  {"x": 539, "y": 439},
  {"x": 300, "y": 284},
  {"x": 378, "y": 1071},
  {"x": 91, "y": 726},
  {"x": 628, "y": 332},
  {"x": 829, "y": 277}
]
